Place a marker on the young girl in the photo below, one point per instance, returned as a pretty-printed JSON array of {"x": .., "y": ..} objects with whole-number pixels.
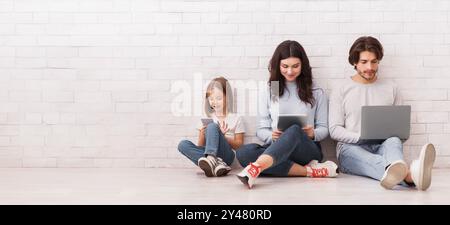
[
  {"x": 214, "y": 153},
  {"x": 295, "y": 151}
]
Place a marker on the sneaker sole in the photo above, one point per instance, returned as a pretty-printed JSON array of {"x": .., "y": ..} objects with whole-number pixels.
[
  {"x": 222, "y": 172},
  {"x": 206, "y": 168},
  {"x": 395, "y": 174},
  {"x": 244, "y": 180},
  {"x": 427, "y": 158}
]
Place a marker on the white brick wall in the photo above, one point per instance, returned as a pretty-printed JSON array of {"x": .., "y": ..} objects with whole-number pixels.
[{"x": 86, "y": 83}]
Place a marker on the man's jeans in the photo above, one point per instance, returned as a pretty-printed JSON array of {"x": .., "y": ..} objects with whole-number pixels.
[{"x": 370, "y": 160}]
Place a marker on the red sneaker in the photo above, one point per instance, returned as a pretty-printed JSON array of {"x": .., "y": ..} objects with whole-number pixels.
[
  {"x": 249, "y": 174},
  {"x": 325, "y": 169}
]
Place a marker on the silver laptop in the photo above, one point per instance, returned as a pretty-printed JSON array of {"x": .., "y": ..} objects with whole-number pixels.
[{"x": 379, "y": 123}]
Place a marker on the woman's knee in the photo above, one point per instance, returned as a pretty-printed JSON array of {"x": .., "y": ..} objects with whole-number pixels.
[
  {"x": 294, "y": 131},
  {"x": 294, "y": 127}
]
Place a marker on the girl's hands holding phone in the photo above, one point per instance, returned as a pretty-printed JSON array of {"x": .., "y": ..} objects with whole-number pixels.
[{"x": 202, "y": 130}]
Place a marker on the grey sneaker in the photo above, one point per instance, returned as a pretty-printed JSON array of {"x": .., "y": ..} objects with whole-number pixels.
[
  {"x": 208, "y": 165},
  {"x": 222, "y": 168}
]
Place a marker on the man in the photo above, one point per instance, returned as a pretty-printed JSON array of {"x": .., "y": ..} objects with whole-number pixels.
[{"x": 383, "y": 162}]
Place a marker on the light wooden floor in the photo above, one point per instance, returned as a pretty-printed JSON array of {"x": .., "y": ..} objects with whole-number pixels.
[{"x": 190, "y": 186}]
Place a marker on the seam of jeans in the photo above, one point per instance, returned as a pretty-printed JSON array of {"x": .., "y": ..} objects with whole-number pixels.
[{"x": 354, "y": 158}]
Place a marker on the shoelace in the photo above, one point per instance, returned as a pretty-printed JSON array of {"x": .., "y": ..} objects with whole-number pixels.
[
  {"x": 319, "y": 172},
  {"x": 253, "y": 170},
  {"x": 213, "y": 161},
  {"x": 221, "y": 162}
]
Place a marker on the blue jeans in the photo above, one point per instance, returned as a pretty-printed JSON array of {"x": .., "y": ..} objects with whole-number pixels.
[
  {"x": 370, "y": 160},
  {"x": 216, "y": 145},
  {"x": 293, "y": 146}
]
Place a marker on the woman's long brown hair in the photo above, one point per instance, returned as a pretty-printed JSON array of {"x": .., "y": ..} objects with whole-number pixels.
[{"x": 304, "y": 81}]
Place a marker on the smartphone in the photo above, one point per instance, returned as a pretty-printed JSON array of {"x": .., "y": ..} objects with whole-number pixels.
[{"x": 206, "y": 121}]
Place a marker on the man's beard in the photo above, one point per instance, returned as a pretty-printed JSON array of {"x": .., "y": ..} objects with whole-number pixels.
[{"x": 368, "y": 79}]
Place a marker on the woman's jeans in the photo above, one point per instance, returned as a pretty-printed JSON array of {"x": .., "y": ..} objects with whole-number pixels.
[
  {"x": 216, "y": 145},
  {"x": 293, "y": 146}
]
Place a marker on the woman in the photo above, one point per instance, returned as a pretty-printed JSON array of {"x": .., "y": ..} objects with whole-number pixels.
[{"x": 295, "y": 151}]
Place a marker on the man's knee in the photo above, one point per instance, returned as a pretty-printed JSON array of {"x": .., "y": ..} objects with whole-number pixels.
[{"x": 393, "y": 141}]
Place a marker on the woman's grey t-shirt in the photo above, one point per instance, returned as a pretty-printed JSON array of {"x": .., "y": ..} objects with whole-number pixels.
[{"x": 290, "y": 103}]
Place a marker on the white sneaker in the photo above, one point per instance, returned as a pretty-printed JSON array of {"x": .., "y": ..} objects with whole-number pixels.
[
  {"x": 249, "y": 174},
  {"x": 394, "y": 174},
  {"x": 421, "y": 168},
  {"x": 222, "y": 168},
  {"x": 208, "y": 165},
  {"x": 325, "y": 169},
  {"x": 313, "y": 162}
]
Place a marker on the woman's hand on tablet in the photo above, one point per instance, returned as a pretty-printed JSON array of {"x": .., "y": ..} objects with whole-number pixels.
[
  {"x": 309, "y": 130},
  {"x": 276, "y": 134}
]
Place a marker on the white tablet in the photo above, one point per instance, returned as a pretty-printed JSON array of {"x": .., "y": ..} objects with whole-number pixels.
[{"x": 287, "y": 120}]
